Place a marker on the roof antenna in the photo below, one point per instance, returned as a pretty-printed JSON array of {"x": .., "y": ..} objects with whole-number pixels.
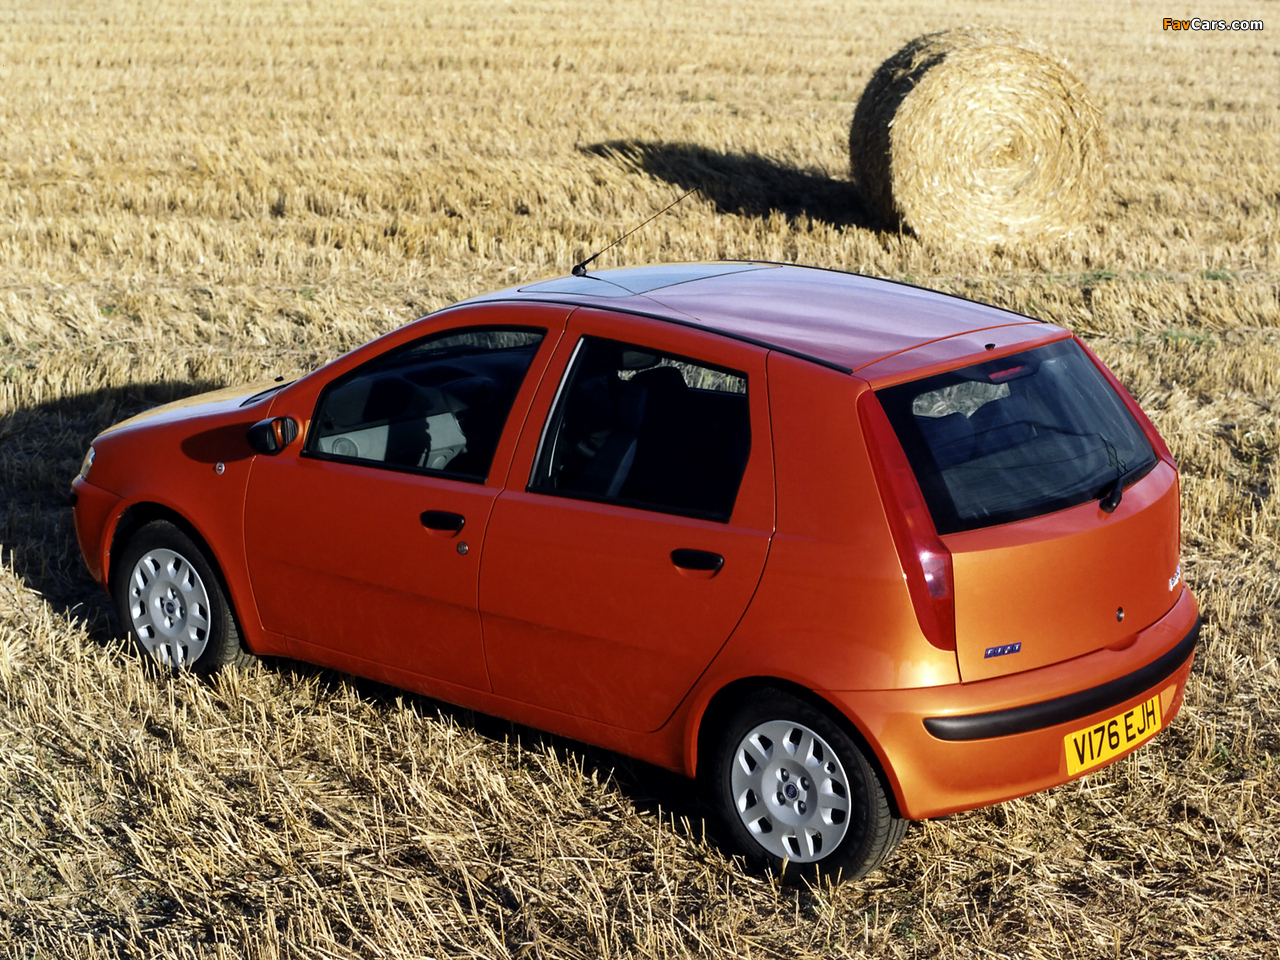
[{"x": 580, "y": 269}]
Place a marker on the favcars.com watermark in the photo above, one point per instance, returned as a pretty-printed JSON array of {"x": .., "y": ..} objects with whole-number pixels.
[{"x": 1197, "y": 23}]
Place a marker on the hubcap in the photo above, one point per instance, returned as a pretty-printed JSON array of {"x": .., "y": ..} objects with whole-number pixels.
[
  {"x": 169, "y": 607},
  {"x": 790, "y": 791}
]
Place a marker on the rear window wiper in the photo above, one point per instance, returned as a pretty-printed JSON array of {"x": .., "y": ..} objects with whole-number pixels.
[{"x": 1113, "y": 492}]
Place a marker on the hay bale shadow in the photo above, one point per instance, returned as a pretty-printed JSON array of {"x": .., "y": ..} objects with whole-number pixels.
[{"x": 744, "y": 184}]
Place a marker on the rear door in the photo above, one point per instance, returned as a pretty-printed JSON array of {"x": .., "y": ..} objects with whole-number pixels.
[{"x": 635, "y": 523}]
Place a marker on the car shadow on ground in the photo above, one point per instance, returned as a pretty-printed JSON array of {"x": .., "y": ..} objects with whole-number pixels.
[
  {"x": 41, "y": 448},
  {"x": 652, "y": 790},
  {"x": 744, "y": 184}
]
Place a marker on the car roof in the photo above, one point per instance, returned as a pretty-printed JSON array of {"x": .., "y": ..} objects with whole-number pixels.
[{"x": 841, "y": 320}]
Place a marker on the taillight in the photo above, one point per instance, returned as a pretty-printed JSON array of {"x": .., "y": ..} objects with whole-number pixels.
[
  {"x": 926, "y": 562},
  {"x": 937, "y": 573}
]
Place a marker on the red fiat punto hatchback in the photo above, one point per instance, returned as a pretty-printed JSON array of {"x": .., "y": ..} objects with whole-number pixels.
[{"x": 849, "y": 551}]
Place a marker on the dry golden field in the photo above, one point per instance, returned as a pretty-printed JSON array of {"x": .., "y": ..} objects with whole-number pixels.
[{"x": 200, "y": 193}]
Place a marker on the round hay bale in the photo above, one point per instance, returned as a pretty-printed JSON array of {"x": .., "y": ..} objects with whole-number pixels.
[{"x": 978, "y": 135}]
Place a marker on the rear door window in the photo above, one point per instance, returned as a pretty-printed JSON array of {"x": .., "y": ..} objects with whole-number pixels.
[
  {"x": 646, "y": 429},
  {"x": 1016, "y": 437}
]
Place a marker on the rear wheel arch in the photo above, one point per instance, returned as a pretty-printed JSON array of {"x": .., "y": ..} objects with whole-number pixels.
[
  {"x": 795, "y": 784},
  {"x": 726, "y": 701}
]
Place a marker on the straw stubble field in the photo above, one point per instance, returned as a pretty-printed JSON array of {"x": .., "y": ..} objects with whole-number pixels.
[{"x": 202, "y": 194}]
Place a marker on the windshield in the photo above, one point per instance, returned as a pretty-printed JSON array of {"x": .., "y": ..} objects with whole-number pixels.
[{"x": 1016, "y": 437}]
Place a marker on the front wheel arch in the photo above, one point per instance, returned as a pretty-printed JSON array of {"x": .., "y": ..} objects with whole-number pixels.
[{"x": 136, "y": 516}]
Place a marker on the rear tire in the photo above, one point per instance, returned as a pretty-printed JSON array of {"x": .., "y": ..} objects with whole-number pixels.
[
  {"x": 798, "y": 796},
  {"x": 170, "y": 598}
]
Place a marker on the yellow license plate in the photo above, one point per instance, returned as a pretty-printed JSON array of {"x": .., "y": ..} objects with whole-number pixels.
[{"x": 1094, "y": 746}]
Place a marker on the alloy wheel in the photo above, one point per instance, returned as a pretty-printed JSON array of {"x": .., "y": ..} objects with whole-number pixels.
[
  {"x": 169, "y": 607},
  {"x": 790, "y": 791}
]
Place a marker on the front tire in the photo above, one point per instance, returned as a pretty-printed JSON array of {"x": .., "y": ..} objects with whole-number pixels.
[
  {"x": 171, "y": 600},
  {"x": 798, "y": 796}
]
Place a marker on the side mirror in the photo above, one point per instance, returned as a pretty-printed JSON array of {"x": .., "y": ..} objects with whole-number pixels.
[{"x": 273, "y": 435}]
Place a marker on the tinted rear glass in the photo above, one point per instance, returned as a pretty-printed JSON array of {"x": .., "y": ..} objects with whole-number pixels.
[{"x": 1016, "y": 437}]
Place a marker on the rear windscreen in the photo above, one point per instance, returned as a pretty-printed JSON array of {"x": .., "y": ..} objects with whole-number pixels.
[{"x": 1016, "y": 437}]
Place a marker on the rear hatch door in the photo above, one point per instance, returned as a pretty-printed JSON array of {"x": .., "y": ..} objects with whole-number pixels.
[
  {"x": 1060, "y": 516},
  {"x": 1043, "y": 590}
]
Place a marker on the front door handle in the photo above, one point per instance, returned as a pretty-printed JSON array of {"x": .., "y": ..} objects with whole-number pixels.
[
  {"x": 443, "y": 521},
  {"x": 703, "y": 561}
]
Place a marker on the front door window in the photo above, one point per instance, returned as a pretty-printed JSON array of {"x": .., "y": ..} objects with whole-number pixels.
[{"x": 436, "y": 406}]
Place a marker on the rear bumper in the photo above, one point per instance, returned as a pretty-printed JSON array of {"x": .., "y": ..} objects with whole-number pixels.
[
  {"x": 1068, "y": 708},
  {"x": 969, "y": 745}
]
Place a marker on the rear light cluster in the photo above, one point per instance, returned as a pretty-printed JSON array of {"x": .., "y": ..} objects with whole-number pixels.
[
  {"x": 926, "y": 562},
  {"x": 937, "y": 573}
]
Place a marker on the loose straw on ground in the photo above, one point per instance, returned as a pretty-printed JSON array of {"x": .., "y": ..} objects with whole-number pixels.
[{"x": 979, "y": 136}]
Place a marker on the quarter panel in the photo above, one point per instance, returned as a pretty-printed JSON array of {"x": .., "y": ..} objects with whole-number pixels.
[{"x": 832, "y": 610}]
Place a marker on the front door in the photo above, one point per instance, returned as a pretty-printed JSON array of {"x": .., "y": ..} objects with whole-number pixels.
[
  {"x": 364, "y": 544},
  {"x": 635, "y": 525}
]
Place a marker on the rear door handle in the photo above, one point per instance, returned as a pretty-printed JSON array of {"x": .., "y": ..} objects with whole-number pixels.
[
  {"x": 702, "y": 560},
  {"x": 443, "y": 520}
]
